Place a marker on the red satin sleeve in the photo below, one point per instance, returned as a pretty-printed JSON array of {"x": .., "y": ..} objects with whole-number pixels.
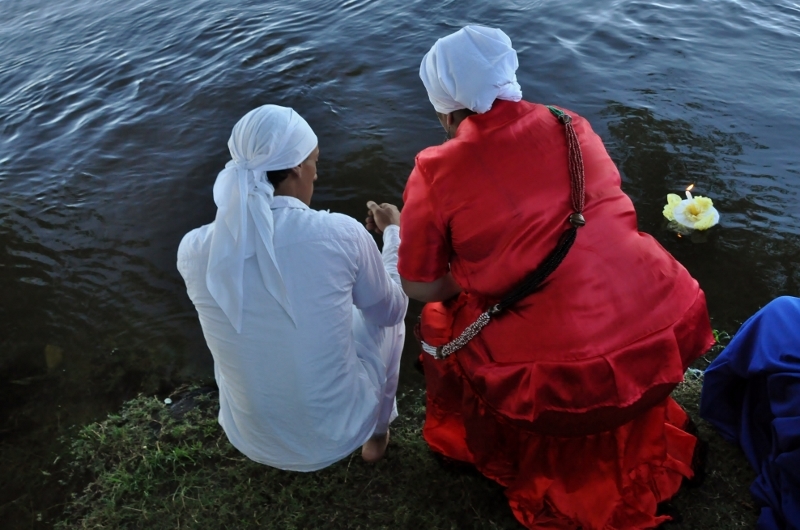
[{"x": 424, "y": 254}]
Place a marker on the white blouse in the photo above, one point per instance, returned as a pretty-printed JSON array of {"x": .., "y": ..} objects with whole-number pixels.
[{"x": 298, "y": 397}]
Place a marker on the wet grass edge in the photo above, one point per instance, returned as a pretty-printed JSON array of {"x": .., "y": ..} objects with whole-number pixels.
[{"x": 156, "y": 466}]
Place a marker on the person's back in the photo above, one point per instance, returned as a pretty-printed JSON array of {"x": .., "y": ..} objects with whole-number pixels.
[
  {"x": 521, "y": 194},
  {"x": 307, "y": 365},
  {"x": 288, "y": 393},
  {"x": 602, "y": 305},
  {"x": 561, "y": 396}
]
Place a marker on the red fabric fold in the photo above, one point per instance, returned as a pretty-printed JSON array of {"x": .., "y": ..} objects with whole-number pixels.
[
  {"x": 609, "y": 480},
  {"x": 582, "y": 396}
]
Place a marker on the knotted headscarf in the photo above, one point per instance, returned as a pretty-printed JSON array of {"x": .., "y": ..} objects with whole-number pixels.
[
  {"x": 265, "y": 139},
  {"x": 470, "y": 69}
]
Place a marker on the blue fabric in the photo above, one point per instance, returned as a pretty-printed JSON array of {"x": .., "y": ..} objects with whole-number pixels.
[{"x": 751, "y": 394}]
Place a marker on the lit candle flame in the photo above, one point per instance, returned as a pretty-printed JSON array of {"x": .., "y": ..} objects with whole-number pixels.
[{"x": 688, "y": 189}]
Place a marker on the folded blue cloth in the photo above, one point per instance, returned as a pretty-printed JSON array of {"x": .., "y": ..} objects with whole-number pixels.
[{"x": 751, "y": 394}]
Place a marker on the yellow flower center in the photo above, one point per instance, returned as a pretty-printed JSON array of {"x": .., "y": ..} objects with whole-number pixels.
[
  {"x": 693, "y": 211},
  {"x": 697, "y": 208}
]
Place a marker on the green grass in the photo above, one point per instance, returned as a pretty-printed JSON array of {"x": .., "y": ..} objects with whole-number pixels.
[{"x": 148, "y": 467}]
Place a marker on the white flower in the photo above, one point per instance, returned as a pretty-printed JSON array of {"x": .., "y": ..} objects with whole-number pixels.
[{"x": 697, "y": 213}]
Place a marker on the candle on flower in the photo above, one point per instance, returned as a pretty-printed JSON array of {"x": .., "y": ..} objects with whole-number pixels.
[{"x": 693, "y": 212}]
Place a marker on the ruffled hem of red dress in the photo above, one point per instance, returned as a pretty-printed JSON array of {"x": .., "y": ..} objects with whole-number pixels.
[{"x": 608, "y": 481}]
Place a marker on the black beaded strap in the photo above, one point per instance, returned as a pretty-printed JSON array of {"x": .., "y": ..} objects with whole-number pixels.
[{"x": 534, "y": 280}]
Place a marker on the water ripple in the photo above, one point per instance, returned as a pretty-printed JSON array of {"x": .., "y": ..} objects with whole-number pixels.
[{"x": 114, "y": 117}]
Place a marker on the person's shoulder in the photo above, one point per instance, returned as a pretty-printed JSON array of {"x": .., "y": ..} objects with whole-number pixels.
[
  {"x": 324, "y": 224},
  {"x": 195, "y": 244},
  {"x": 345, "y": 226},
  {"x": 473, "y": 129},
  {"x": 524, "y": 114},
  {"x": 430, "y": 160},
  {"x": 431, "y": 153},
  {"x": 577, "y": 119}
]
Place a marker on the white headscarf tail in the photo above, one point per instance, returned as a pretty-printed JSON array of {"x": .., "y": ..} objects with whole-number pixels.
[
  {"x": 470, "y": 69},
  {"x": 265, "y": 139}
]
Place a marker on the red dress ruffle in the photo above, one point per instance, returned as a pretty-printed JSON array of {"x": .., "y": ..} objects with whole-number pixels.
[{"x": 610, "y": 480}]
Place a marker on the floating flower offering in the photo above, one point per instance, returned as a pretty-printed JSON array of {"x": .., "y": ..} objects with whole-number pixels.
[{"x": 694, "y": 212}]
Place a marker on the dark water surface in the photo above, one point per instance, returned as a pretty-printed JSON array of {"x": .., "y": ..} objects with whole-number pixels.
[{"x": 114, "y": 118}]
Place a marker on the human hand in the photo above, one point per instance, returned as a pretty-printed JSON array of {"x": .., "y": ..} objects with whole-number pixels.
[{"x": 381, "y": 216}]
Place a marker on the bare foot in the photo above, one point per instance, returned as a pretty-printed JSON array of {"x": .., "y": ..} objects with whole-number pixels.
[{"x": 375, "y": 448}]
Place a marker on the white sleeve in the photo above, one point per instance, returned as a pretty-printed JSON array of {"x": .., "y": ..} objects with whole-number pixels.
[
  {"x": 391, "y": 243},
  {"x": 377, "y": 292}
]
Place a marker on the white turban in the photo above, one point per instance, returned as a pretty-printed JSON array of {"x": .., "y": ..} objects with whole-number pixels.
[
  {"x": 470, "y": 69},
  {"x": 265, "y": 139}
]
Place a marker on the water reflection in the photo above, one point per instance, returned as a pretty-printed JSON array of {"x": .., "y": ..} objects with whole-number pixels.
[
  {"x": 78, "y": 334},
  {"x": 365, "y": 170},
  {"x": 657, "y": 156},
  {"x": 742, "y": 263}
]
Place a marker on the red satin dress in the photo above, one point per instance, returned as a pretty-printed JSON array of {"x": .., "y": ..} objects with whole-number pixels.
[{"x": 563, "y": 399}]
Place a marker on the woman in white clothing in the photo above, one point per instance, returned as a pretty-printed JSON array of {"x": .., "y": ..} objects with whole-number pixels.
[{"x": 302, "y": 313}]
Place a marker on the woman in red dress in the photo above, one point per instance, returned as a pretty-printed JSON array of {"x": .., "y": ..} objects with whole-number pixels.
[{"x": 564, "y": 398}]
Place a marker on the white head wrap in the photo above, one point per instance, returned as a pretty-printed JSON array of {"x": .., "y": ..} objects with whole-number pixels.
[
  {"x": 265, "y": 139},
  {"x": 470, "y": 69}
]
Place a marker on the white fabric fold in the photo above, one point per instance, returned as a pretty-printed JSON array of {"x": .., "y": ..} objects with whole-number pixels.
[
  {"x": 469, "y": 69},
  {"x": 265, "y": 139}
]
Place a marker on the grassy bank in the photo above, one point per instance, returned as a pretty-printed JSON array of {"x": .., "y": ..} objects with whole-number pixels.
[{"x": 155, "y": 466}]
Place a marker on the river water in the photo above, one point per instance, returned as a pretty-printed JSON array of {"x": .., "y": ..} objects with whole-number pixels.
[{"x": 114, "y": 118}]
